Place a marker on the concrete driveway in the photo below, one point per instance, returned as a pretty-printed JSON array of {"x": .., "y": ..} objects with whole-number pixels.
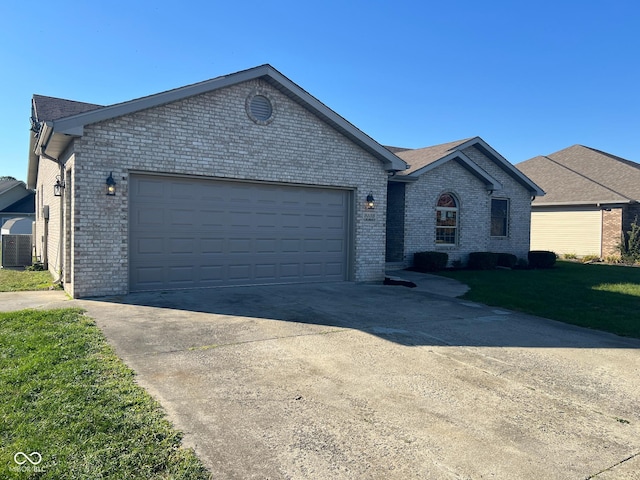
[{"x": 353, "y": 381}]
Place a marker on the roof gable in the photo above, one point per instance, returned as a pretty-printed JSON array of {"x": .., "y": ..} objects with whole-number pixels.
[
  {"x": 584, "y": 175},
  {"x": 63, "y": 129},
  {"x": 425, "y": 159}
]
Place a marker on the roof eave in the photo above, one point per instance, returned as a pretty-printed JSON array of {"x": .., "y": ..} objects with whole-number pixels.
[
  {"x": 74, "y": 125},
  {"x": 588, "y": 203},
  {"x": 510, "y": 169}
]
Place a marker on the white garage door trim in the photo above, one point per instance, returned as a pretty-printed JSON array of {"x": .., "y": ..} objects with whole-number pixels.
[
  {"x": 576, "y": 231},
  {"x": 193, "y": 232}
]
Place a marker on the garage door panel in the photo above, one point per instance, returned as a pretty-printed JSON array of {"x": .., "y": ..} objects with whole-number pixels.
[
  {"x": 147, "y": 189},
  {"x": 181, "y": 217},
  {"x": 148, "y": 245},
  {"x": 195, "y": 233},
  {"x": 181, "y": 274}
]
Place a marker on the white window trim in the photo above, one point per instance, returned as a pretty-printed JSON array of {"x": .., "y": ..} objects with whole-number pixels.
[{"x": 457, "y": 225}]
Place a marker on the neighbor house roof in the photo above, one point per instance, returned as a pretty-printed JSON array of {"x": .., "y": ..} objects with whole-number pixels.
[
  {"x": 8, "y": 184},
  {"x": 56, "y": 133},
  {"x": 15, "y": 198},
  {"x": 580, "y": 175},
  {"x": 422, "y": 160},
  {"x": 26, "y": 205}
]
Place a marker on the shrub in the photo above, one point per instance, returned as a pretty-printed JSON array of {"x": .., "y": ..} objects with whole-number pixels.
[
  {"x": 482, "y": 260},
  {"x": 507, "y": 260},
  {"x": 590, "y": 258},
  {"x": 522, "y": 264},
  {"x": 630, "y": 246},
  {"x": 570, "y": 256},
  {"x": 541, "y": 259},
  {"x": 430, "y": 261}
]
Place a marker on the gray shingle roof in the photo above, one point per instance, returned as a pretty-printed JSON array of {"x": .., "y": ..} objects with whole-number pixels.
[
  {"x": 583, "y": 175},
  {"x": 421, "y": 157},
  {"x": 51, "y": 108}
]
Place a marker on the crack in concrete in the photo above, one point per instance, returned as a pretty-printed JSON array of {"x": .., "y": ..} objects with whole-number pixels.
[{"x": 613, "y": 466}]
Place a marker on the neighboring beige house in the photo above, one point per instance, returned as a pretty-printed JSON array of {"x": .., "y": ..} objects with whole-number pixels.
[
  {"x": 592, "y": 199},
  {"x": 458, "y": 197},
  {"x": 242, "y": 179}
]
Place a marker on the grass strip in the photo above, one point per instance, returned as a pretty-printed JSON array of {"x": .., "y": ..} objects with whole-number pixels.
[
  {"x": 602, "y": 297},
  {"x": 23, "y": 280},
  {"x": 65, "y": 395}
]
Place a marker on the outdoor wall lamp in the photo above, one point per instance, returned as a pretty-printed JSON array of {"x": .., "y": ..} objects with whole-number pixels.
[
  {"x": 371, "y": 202},
  {"x": 111, "y": 185},
  {"x": 58, "y": 186}
]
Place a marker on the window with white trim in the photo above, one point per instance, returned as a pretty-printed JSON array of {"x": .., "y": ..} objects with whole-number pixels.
[
  {"x": 499, "y": 217},
  {"x": 447, "y": 220}
]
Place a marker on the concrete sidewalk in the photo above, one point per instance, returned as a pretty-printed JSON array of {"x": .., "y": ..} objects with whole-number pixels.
[{"x": 343, "y": 381}]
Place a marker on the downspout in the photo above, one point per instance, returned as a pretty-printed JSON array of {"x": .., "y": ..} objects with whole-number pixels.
[{"x": 42, "y": 152}]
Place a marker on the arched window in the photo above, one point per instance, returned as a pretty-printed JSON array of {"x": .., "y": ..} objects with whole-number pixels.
[{"x": 447, "y": 220}]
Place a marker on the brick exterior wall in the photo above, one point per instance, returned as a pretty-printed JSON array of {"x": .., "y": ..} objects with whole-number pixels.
[
  {"x": 474, "y": 211},
  {"x": 611, "y": 231},
  {"x": 47, "y": 238},
  {"x": 207, "y": 135}
]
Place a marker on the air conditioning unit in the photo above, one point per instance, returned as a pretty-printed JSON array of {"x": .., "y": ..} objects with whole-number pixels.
[{"x": 16, "y": 250}]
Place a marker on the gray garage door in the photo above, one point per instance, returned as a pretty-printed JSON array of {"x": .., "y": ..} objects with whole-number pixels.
[{"x": 190, "y": 233}]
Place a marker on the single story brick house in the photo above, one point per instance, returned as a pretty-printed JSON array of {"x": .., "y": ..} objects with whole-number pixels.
[
  {"x": 458, "y": 197},
  {"x": 592, "y": 199},
  {"x": 242, "y": 179}
]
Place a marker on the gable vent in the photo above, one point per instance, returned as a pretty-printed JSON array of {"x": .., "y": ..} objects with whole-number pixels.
[{"x": 260, "y": 108}]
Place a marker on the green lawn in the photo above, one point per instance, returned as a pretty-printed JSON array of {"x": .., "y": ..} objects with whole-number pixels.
[
  {"x": 65, "y": 395},
  {"x": 603, "y": 297},
  {"x": 23, "y": 280}
]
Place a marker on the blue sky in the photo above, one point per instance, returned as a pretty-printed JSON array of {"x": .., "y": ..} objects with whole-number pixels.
[{"x": 529, "y": 77}]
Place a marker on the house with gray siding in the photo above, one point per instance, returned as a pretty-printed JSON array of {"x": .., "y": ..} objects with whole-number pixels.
[
  {"x": 248, "y": 179},
  {"x": 457, "y": 197}
]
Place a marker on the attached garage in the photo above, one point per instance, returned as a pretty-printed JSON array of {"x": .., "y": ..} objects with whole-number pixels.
[
  {"x": 243, "y": 179},
  {"x": 577, "y": 231},
  {"x": 191, "y": 232}
]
